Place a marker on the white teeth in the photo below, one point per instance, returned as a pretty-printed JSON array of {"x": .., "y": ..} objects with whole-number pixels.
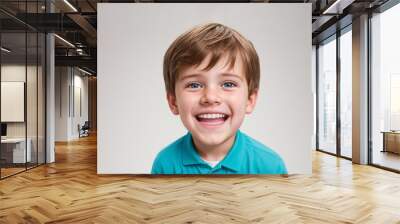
[{"x": 211, "y": 116}]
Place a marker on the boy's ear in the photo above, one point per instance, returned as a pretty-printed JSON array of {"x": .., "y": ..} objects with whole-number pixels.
[
  {"x": 251, "y": 103},
  {"x": 171, "y": 98}
]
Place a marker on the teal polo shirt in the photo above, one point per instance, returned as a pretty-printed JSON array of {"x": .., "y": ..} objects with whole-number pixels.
[{"x": 247, "y": 156}]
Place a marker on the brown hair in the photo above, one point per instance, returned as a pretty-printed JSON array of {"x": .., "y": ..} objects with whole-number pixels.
[{"x": 193, "y": 46}]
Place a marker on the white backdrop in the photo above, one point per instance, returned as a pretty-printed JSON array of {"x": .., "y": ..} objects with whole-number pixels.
[{"x": 134, "y": 121}]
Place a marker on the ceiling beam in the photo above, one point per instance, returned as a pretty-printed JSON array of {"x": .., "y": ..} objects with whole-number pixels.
[
  {"x": 85, "y": 61},
  {"x": 85, "y": 25}
]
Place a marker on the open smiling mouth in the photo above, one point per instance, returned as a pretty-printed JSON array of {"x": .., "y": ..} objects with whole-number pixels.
[{"x": 212, "y": 119}]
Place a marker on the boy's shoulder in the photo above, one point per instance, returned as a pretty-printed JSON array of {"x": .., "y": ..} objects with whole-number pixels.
[
  {"x": 264, "y": 156},
  {"x": 173, "y": 148},
  {"x": 169, "y": 157},
  {"x": 258, "y": 148}
]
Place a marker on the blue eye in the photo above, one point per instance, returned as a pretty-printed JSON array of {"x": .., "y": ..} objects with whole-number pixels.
[
  {"x": 194, "y": 85},
  {"x": 229, "y": 85}
]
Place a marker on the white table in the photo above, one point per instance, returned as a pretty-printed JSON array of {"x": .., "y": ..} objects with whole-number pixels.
[{"x": 19, "y": 149}]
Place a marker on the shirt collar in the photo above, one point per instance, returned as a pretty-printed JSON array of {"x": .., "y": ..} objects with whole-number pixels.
[
  {"x": 231, "y": 161},
  {"x": 189, "y": 153}
]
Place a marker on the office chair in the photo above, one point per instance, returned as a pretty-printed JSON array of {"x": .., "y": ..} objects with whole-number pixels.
[{"x": 84, "y": 130}]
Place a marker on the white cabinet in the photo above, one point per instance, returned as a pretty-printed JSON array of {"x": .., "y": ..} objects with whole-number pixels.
[{"x": 18, "y": 149}]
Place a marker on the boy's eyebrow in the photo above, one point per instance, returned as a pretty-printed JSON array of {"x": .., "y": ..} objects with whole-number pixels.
[
  {"x": 232, "y": 75},
  {"x": 223, "y": 74},
  {"x": 189, "y": 76}
]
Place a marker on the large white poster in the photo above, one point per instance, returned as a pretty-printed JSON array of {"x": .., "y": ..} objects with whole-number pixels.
[
  {"x": 135, "y": 121},
  {"x": 12, "y": 101}
]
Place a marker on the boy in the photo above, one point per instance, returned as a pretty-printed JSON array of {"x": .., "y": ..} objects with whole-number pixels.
[{"x": 211, "y": 75}]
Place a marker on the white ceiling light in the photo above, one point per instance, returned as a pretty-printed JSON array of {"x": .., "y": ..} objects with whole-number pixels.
[
  {"x": 86, "y": 72},
  {"x": 5, "y": 50},
  {"x": 70, "y": 5},
  {"x": 79, "y": 51},
  {"x": 65, "y": 41},
  {"x": 338, "y": 6}
]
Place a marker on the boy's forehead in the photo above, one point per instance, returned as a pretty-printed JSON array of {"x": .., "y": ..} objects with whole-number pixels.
[
  {"x": 225, "y": 60},
  {"x": 226, "y": 63}
]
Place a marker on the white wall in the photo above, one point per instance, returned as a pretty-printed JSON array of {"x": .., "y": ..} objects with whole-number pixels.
[
  {"x": 134, "y": 121},
  {"x": 61, "y": 103},
  {"x": 79, "y": 117},
  {"x": 68, "y": 81}
]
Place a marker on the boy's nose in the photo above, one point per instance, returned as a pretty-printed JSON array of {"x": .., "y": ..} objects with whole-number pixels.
[{"x": 210, "y": 96}]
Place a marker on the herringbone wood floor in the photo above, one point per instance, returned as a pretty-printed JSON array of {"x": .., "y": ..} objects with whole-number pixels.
[{"x": 70, "y": 191}]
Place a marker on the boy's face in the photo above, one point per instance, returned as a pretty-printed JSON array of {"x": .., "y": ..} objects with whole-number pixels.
[{"x": 212, "y": 104}]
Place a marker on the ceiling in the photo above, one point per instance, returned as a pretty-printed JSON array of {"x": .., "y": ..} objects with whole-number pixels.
[{"x": 76, "y": 22}]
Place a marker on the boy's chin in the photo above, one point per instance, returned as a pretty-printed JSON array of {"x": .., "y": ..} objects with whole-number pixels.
[{"x": 213, "y": 138}]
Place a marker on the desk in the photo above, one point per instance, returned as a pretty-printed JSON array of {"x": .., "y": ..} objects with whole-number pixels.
[
  {"x": 391, "y": 141},
  {"x": 15, "y": 148}
]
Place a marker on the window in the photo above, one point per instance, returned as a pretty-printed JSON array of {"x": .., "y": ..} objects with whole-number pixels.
[
  {"x": 385, "y": 89},
  {"x": 346, "y": 93},
  {"x": 327, "y": 96}
]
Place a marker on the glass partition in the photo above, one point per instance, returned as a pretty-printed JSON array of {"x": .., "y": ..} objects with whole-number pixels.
[
  {"x": 41, "y": 107},
  {"x": 13, "y": 94},
  {"x": 22, "y": 63},
  {"x": 32, "y": 95},
  {"x": 327, "y": 96}
]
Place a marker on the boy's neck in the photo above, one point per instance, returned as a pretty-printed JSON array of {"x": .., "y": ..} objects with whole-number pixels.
[{"x": 214, "y": 152}]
